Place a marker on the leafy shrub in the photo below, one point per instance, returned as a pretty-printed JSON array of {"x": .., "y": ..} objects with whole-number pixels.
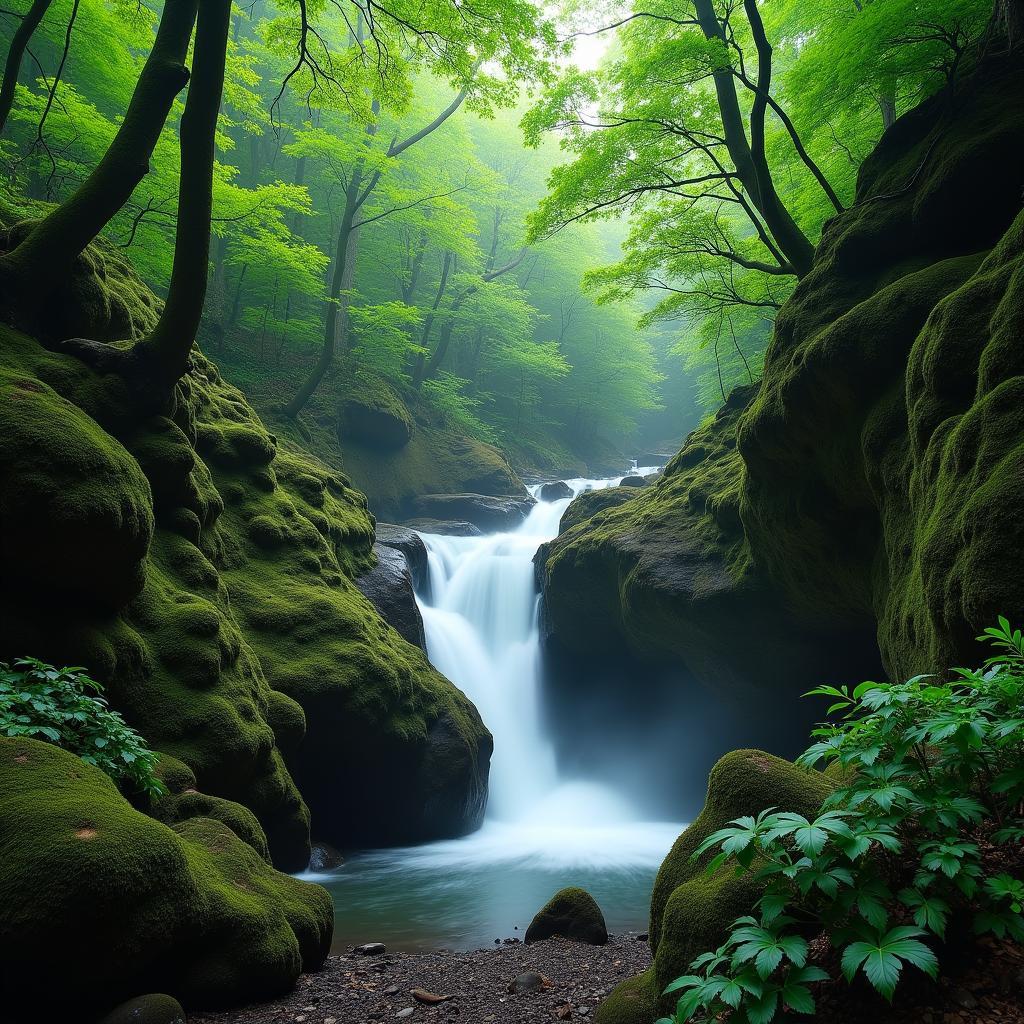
[
  {"x": 51, "y": 704},
  {"x": 920, "y": 831}
]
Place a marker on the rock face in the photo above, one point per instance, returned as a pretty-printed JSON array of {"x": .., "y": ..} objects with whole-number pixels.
[
  {"x": 389, "y": 586},
  {"x": 141, "y": 904},
  {"x": 572, "y": 913},
  {"x": 203, "y": 571},
  {"x": 491, "y": 514},
  {"x": 555, "y": 491},
  {"x": 375, "y": 417},
  {"x": 691, "y": 911},
  {"x": 410, "y": 543},
  {"x": 863, "y": 503}
]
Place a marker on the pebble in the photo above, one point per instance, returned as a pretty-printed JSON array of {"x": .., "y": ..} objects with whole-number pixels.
[{"x": 407, "y": 1012}]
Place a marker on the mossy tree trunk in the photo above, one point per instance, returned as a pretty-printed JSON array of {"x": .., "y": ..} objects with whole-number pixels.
[
  {"x": 16, "y": 53},
  {"x": 49, "y": 251},
  {"x": 170, "y": 344}
]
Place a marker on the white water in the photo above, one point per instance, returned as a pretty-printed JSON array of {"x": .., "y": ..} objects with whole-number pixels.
[
  {"x": 542, "y": 831},
  {"x": 482, "y": 633}
]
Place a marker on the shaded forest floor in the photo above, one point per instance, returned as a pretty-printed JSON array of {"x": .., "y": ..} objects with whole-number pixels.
[{"x": 354, "y": 989}]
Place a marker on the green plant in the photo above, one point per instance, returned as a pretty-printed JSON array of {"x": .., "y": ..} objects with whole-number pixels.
[
  {"x": 927, "y": 818},
  {"x": 53, "y": 705}
]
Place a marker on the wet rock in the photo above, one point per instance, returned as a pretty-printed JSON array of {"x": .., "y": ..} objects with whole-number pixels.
[
  {"x": 371, "y": 949},
  {"x": 488, "y": 512},
  {"x": 150, "y": 1009},
  {"x": 444, "y": 527},
  {"x": 389, "y": 587},
  {"x": 572, "y": 913},
  {"x": 410, "y": 543},
  {"x": 555, "y": 490},
  {"x": 529, "y": 981},
  {"x": 323, "y": 857}
]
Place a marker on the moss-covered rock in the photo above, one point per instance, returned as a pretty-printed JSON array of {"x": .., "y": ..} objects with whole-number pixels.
[
  {"x": 155, "y": 1008},
  {"x": 374, "y": 416},
  {"x": 692, "y": 910},
  {"x": 572, "y": 913},
  {"x": 135, "y": 905},
  {"x": 863, "y": 504},
  {"x": 202, "y": 571}
]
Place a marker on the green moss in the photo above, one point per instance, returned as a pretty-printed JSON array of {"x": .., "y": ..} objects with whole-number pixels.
[
  {"x": 572, "y": 913},
  {"x": 139, "y": 906},
  {"x": 372, "y": 414},
  {"x": 586, "y": 505},
  {"x": 691, "y": 910},
  {"x": 631, "y": 1002}
]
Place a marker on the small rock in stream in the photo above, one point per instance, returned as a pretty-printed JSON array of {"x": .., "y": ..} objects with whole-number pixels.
[{"x": 371, "y": 949}]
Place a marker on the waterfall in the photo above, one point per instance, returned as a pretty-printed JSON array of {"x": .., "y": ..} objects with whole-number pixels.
[{"x": 482, "y": 632}]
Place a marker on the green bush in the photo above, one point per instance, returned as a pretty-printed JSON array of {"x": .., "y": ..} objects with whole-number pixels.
[
  {"x": 918, "y": 833},
  {"x": 51, "y": 704}
]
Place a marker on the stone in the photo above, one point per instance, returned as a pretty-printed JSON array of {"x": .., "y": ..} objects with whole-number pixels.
[
  {"x": 323, "y": 857},
  {"x": 389, "y": 586},
  {"x": 555, "y": 490},
  {"x": 572, "y": 913},
  {"x": 156, "y": 1008},
  {"x": 444, "y": 527},
  {"x": 407, "y": 1012},
  {"x": 371, "y": 949},
  {"x": 492, "y": 514},
  {"x": 633, "y": 481},
  {"x": 410, "y": 543},
  {"x": 529, "y": 981}
]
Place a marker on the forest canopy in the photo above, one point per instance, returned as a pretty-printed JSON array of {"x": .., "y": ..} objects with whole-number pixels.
[{"x": 370, "y": 213}]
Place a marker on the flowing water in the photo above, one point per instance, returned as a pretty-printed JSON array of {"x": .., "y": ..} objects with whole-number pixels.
[{"x": 541, "y": 831}]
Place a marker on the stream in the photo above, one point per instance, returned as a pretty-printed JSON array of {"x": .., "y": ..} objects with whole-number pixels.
[{"x": 542, "y": 831}]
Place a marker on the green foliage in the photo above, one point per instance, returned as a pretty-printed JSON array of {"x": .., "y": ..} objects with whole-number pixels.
[
  {"x": 933, "y": 771},
  {"x": 41, "y": 702}
]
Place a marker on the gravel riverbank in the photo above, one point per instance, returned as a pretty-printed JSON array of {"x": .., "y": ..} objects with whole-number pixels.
[{"x": 358, "y": 989}]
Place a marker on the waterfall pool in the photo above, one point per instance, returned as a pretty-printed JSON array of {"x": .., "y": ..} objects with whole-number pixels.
[{"x": 542, "y": 831}]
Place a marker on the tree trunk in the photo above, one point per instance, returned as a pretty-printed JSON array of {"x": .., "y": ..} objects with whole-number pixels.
[
  {"x": 19, "y": 43},
  {"x": 748, "y": 156},
  {"x": 49, "y": 251},
  {"x": 428, "y": 323},
  {"x": 170, "y": 344}
]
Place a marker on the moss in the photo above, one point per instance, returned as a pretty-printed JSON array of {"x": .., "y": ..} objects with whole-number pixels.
[
  {"x": 373, "y": 415},
  {"x": 155, "y": 1008},
  {"x": 572, "y": 913},
  {"x": 586, "y": 505},
  {"x": 863, "y": 513},
  {"x": 691, "y": 910},
  {"x": 139, "y": 906},
  {"x": 631, "y": 1002}
]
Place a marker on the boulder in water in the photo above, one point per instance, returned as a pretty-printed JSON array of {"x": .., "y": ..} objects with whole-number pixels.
[
  {"x": 572, "y": 913},
  {"x": 634, "y": 480},
  {"x": 444, "y": 527},
  {"x": 555, "y": 490},
  {"x": 389, "y": 587},
  {"x": 324, "y": 857},
  {"x": 489, "y": 512},
  {"x": 410, "y": 543}
]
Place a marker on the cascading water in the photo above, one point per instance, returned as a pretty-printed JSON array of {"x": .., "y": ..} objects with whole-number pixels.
[{"x": 541, "y": 831}]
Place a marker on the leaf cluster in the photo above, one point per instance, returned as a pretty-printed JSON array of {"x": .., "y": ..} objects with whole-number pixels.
[
  {"x": 63, "y": 706},
  {"x": 934, "y": 774}
]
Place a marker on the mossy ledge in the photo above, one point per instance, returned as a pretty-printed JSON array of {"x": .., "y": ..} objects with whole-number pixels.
[{"x": 863, "y": 504}]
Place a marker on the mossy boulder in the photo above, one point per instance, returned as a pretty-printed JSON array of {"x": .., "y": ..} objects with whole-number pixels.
[
  {"x": 692, "y": 910},
  {"x": 155, "y": 1008},
  {"x": 136, "y": 905},
  {"x": 201, "y": 569},
  {"x": 571, "y": 913},
  {"x": 374, "y": 416},
  {"x": 860, "y": 510}
]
